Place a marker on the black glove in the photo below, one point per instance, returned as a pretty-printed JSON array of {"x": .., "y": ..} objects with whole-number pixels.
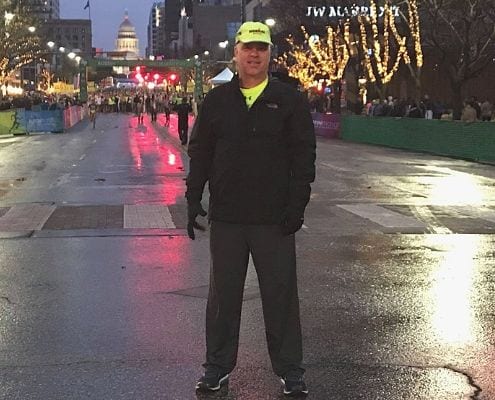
[
  {"x": 194, "y": 209},
  {"x": 292, "y": 224}
]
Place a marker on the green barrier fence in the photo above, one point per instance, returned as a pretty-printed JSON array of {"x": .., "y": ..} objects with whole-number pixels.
[
  {"x": 472, "y": 141},
  {"x": 10, "y": 124}
]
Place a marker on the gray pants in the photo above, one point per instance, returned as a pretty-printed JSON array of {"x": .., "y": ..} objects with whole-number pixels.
[{"x": 274, "y": 257}]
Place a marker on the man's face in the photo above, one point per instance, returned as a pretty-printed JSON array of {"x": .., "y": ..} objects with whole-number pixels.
[{"x": 252, "y": 59}]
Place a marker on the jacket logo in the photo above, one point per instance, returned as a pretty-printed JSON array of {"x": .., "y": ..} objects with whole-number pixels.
[{"x": 272, "y": 105}]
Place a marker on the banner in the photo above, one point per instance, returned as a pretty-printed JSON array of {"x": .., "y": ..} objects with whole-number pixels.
[
  {"x": 62, "y": 87},
  {"x": 10, "y": 122},
  {"x": 327, "y": 125},
  {"x": 72, "y": 116},
  {"x": 42, "y": 121}
]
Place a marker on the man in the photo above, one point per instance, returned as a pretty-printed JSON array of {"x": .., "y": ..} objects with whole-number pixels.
[
  {"x": 254, "y": 142},
  {"x": 183, "y": 111}
]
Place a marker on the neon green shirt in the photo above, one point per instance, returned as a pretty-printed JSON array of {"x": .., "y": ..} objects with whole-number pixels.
[{"x": 253, "y": 93}]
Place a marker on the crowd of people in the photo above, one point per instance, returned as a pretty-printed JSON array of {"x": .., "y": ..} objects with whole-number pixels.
[
  {"x": 141, "y": 102},
  {"x": 37, "y": 101},
  {"x": 472, "y": 111}
]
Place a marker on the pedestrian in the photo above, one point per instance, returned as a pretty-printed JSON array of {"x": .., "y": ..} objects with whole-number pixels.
[
  {"x": 139, "y": 104},
  {"x": 469, "y": 113},
  {"x": 166, "y": 109},
  {"x": 183, "y": 110},
  {"x": 254, "y": 142},
  {"x": 153, "y": 108},
  {"x": 486, "y": 110}
]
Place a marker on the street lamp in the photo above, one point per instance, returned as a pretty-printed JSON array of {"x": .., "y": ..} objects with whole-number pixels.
[
  {"x": 223, "y": 45},
  {"x": 270, "y": 22}
]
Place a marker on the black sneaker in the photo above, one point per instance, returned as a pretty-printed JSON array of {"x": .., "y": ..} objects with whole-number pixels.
[
  {"x": 294, "y": 384},
  {"x": 212, "y": 380}
]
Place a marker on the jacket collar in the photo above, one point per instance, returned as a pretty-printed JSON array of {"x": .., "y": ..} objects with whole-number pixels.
[{"x": 270, "y": 94}]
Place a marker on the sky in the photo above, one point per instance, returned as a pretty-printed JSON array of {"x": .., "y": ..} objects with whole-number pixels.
[{"x": 106, "y": 16}]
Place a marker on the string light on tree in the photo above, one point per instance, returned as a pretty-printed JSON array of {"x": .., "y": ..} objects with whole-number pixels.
[
  {"x": 379, "y": 62},
  {"x": 317, "y": 56}
]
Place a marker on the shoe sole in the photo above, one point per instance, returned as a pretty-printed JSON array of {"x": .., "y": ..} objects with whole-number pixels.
[
  {"x": 294, "y": 393},
  {"x": 205, "y": 389}
]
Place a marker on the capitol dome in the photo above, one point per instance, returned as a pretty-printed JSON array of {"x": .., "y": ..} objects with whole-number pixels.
[
  {"x": 127, "y": 40},
  {"x": 126, "y": 29}
]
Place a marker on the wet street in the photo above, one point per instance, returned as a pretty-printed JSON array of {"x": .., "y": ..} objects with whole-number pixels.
[{"x": 102, "y": 295}]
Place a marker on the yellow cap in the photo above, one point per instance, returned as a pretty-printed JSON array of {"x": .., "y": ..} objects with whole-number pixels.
[{"x": 253, "y": 32}]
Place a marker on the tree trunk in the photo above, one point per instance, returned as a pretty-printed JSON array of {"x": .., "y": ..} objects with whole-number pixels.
[
  {"x": 337, "y": 89},
  {"x": 457, "y": 102}
]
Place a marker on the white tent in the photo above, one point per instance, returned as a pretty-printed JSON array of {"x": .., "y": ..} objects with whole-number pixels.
[{"x": 223, "y": 77}]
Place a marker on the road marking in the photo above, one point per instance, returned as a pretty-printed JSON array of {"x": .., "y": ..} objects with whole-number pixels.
[
  {"x": 434, "y": 226},
  {"x": 82, "y": 157},
  {"x": 388, "y": 219},
  {"x": 152, "y": 216},
  {"x": 26, "y": 217}
]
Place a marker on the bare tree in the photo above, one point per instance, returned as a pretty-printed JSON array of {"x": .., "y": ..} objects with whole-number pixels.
[{"x": 461, "y": 33}]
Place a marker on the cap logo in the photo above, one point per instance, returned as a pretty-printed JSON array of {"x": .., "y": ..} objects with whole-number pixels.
[{"x": 253, "y": 32}]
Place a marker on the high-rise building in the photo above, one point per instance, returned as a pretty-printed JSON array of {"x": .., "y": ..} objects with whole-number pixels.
[
  {"x": 156, "y": 30},
  {"x": 171, "y": 27},
  {"x": 42, "y": 9},
  {"x": 72, "y": 34},
  {"x": 207, "y": 36}
]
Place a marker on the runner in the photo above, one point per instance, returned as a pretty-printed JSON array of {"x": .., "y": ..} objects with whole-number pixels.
[{"x": 92, "y": 113}]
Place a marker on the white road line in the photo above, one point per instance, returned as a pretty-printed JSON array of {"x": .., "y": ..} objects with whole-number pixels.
[
  {"x": 82, "y": 157},
  {"x": 151, "y": 216},
  {"x": 386, "y": 218},
  {"x": 434, "y": 226},
  {"x": 26, "y": 217}
]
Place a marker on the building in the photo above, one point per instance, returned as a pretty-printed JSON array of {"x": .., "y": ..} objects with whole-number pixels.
[
  {"x": 62, "y": 37},
  {"x": 207, "y": 36},
  {"x": 127, "y": 41},
  {"x": 186, "y": 36},
  {"x": 257, "y": 10},
  {"x": 44, "y": 9},
  {"x": 72, "y": 34},
  {"x": 156, "y": 31},
  {"x": 172, "y": 15}
]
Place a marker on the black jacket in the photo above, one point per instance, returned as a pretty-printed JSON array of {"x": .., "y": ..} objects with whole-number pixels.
[{"x": 259, "y": 162}]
